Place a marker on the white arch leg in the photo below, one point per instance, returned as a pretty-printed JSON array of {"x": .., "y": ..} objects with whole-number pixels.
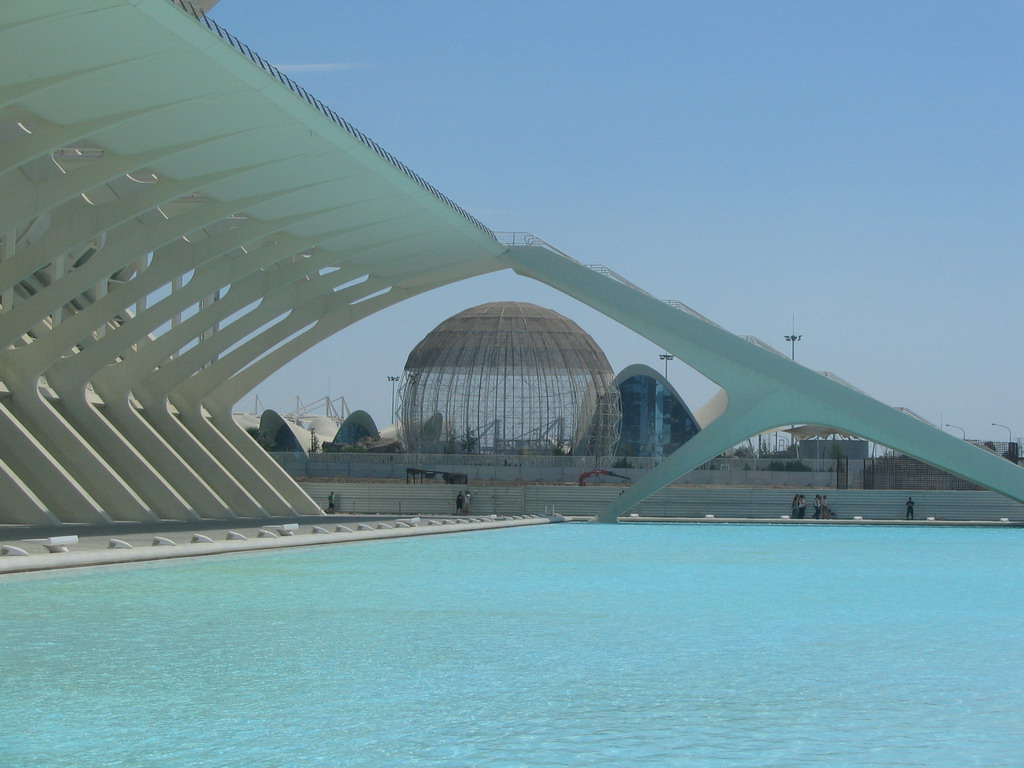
[
  {"x": 208, "y": 466},
  {"x": 311, "y": 301},
  {"x": 221, "y": 397},
  {"x": 48, "y": 481},
  {"x": 20, "y": 505},
  {"x": 158, "y": 495},
  {"x": 179, "y": 473},
  {"x": 765, "y": 390},
  {"x": 75, "y": 455}
]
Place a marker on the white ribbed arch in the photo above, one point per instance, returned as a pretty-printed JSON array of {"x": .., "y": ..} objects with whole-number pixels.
[{"x": 172, "y": 212}]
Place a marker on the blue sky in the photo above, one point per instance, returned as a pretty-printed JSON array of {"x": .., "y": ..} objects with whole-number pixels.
[{"x": 853, "y": 167}]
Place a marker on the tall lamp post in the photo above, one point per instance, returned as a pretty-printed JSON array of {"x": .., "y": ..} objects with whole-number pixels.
[
  {"x": 392, "y": 379},
  {"x": 954, "y": 426},
  {"x": 1012, "y": 450},
  {"x": 793, "y": 339},
  {"x": 666, "y": 357},
  {"x": 1007, "y": 430}
]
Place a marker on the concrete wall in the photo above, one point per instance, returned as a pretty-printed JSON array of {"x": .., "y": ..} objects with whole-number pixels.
[
  {"x": 545, "y": 469},
  {"x": 573, "y": 500}
]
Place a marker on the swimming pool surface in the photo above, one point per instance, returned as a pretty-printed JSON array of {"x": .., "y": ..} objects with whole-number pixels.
[{"x": 558, "y": 645}]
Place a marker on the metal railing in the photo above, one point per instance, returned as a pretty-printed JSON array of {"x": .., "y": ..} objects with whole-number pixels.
[
  {"x": 769, "y": 465},
  {"x": 841, "y": 380},
  {"x": 554, "y": 462},
  {"x": 601, "y": 269},
  {"x": 525, "y": 238},
  {"x": 314, "y": 102},
  {"x": 462, "y": 460},
  {"x": 887, "y": 473},
  {"x": 764, "y": 345}
]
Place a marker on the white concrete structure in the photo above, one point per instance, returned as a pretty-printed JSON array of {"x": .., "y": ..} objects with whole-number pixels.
[
  {"x": 180, "y": 221},
  {"x": 761, "y": 388}
]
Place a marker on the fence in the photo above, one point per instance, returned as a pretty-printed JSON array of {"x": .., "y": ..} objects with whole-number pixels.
[
  {"x": 577, "y": 462},
  {"x": 556, "y": 469},
  {"x": 887, "y": 473}
]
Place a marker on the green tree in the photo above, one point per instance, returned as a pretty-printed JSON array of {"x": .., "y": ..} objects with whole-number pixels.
[
  {"x": 467, "y": 443},
  {"x": 262, "y": 438}
]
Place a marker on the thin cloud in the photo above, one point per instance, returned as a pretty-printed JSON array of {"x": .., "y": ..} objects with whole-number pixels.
[{"x": 324, "y": 67}]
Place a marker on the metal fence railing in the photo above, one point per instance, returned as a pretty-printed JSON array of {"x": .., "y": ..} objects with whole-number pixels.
[
  {"x": 314, "y": 102},
  {"x": 463, "y": 460},
  {"x": 454, "y": 460},
  {"x": 906, "y": 473},
  {"x": 1008, "y": 450},
  {"x": 525, "y": 238},
  {"x": 883, "y": 473}
]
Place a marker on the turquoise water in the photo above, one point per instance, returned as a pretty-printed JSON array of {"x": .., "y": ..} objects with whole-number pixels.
[{"x": 568, "y": 645}]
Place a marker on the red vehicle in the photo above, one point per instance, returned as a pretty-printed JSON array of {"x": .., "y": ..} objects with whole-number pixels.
[{"x": 591, "y": 473}]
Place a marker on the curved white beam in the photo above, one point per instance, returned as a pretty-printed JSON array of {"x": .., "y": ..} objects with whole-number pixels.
[
  {"x": 148, "y": 234},
  {"x": 765, "y": 390}
]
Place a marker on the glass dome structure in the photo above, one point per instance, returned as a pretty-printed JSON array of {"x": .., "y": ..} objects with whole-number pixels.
[{"x": 509, "y": 378}]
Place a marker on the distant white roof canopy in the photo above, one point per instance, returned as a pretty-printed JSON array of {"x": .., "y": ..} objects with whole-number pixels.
[{"x": 809, "y": 431}]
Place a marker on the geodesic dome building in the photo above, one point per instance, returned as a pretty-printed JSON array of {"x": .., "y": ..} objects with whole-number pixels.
[{"x": 509, "y": 378}]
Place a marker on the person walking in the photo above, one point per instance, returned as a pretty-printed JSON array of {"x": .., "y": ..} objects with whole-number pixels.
[
  {"x": 330, "y": 503},
  {"x": 460, "y": 500},
  {"x": 794, "y": 506},
  {"x": 910, "y": 508},
  {"x": 466, "y": 502},
  {"x": 801, "y": 507}
]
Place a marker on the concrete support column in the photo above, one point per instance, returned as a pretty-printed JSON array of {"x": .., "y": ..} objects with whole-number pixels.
[
  {"x": 186, "y": 478},
  {"x": 45, "y": 477}
]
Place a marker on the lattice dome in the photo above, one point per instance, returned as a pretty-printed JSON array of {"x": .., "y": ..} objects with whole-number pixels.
[{"x": 509, "y": 377}]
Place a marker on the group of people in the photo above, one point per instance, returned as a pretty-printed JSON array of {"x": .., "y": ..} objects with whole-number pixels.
[
  {"x": 462, "y": 502},
  {"x": 822, "y": 510}
]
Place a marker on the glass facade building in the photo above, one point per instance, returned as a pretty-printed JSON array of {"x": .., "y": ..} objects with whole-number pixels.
[{"x": 655, "y": 420}]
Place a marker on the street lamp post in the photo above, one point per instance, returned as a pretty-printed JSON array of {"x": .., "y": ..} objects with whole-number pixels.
[
  {"x": 1012, "y": 449},
  {"x": 392, "y": 379},
  {"x": 954, "y": 426},
  {"x": 1007, "y": 430},
  {"x": 666, "y": 358}
]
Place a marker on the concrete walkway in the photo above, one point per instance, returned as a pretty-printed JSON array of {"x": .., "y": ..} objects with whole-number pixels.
[
  {"x": 927, "y": 522},
  {"x": 130, "y": 542}
]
